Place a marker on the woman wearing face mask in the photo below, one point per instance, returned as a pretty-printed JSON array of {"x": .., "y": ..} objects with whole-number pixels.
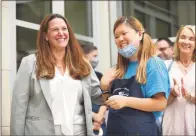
[
  {"x": 179, "y": 116},
  {"x": 91, "y": 53},
  {"x": 139, "y": 83}
]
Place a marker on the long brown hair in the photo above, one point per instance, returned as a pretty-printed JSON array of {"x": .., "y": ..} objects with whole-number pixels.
[
  {"x": 75, "y": 61},
  {"x": 176, "y": 48},
  {"x": 145, "y": 51}
]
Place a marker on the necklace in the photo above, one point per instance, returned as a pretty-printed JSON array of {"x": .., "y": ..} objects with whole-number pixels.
[
  {"x": 185, "y": 66},
  {"x": 59, "y": 68}
]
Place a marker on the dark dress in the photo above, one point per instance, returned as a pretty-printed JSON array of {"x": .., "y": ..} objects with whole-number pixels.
[{"x": 129, "y": 121}]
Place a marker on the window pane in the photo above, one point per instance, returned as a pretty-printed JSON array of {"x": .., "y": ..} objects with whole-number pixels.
[
  {"x": 26, "y": 42},
  {"x": 79, "y": 15},
  {"x": 162, "y": 28},
  {"x": 176, "y": 28},
  {"x": 126, "y": 8},
  {"x": 161, "y": 3},
  {"x": 33, "y": 11},
  {"x": 141, "y": 17},
  {"x": 140, "y": 2}
]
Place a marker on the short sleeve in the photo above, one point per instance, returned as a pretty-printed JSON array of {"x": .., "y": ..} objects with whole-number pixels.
[{"x": 157, "y": 78}]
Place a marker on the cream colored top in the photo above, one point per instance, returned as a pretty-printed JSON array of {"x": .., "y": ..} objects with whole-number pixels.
[{"x": 67, "y": 101}]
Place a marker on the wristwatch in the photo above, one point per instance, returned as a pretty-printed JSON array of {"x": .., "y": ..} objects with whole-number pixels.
[{"x": 105, "y": 92}]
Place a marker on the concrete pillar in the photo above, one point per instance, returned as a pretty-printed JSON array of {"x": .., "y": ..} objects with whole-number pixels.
[
  {"x": 0, "y": 62},
  {"x": 7, "y": 38},
  {"x": 101, "y": 32}
]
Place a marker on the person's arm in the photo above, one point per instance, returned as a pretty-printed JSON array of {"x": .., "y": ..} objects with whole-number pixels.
[
  {"x": 102, "y": 110},
  {"x": 173, "y": 94},
  {"x": 157, "y": 103},
  {"x": 170, "y": 99},
  {"x": 20, "y": 99},
  {"x": 107, "y": 79},
  {"x": 99, "y": 117},
  {"x": 95, "y": 92},
  {"x": 187, "y": 95},
  {"x": 189, "y": 98},
  {"x": 106, "y": 82}
]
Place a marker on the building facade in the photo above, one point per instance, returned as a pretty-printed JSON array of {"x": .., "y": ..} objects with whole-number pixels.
[{"x": 92, "y": 22}]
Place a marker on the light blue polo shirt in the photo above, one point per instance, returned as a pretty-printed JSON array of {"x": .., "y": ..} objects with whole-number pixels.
[{"x": 157, "y": 79}]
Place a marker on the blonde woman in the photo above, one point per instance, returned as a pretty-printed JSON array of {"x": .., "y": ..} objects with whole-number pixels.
[
  {"x": 179, "y": 116},
  {"x": 139, "y": 84}
]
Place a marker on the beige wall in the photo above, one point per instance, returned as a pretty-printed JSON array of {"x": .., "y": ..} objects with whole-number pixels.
[
  {"x": 0, "y": 64},
  {"x": 103, "y": 39},
  {"x": 5, "y": 69}
]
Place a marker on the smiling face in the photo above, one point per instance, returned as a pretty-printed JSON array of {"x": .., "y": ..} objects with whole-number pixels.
[
  {"x": 125, "y": 35},
  {"x": 57, "y": 34},
  {"x": 165, "y": 51},
  {"x": 186, "y": 42}
]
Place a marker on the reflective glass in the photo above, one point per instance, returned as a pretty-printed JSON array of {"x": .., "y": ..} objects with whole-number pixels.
[
  {"x": 162, "y": 28},
  {"x": 33, "y": 11},
  {"x": 165, "y": 4},
  {"x": 26, "y": 42},
  {"x": 79, "y": 15}
]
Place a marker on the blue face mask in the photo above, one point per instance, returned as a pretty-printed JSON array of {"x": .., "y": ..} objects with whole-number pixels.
[{"x": 127, "y": 51}]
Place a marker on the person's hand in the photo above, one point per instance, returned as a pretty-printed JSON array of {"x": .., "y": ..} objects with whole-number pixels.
[
  {"x": 98, "y": 118},
  {"x": 175, "y": 91},
  {"x": 186, "y": 95},
  {"x": 116, "y": 102},
  {"x": 106, "y": 80},
  {"x": 96, "y": 126},
  {"x": 108, "y": 77}
]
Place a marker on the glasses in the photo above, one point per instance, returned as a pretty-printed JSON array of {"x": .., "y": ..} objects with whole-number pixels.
[{"x": 163, "y": 49}]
